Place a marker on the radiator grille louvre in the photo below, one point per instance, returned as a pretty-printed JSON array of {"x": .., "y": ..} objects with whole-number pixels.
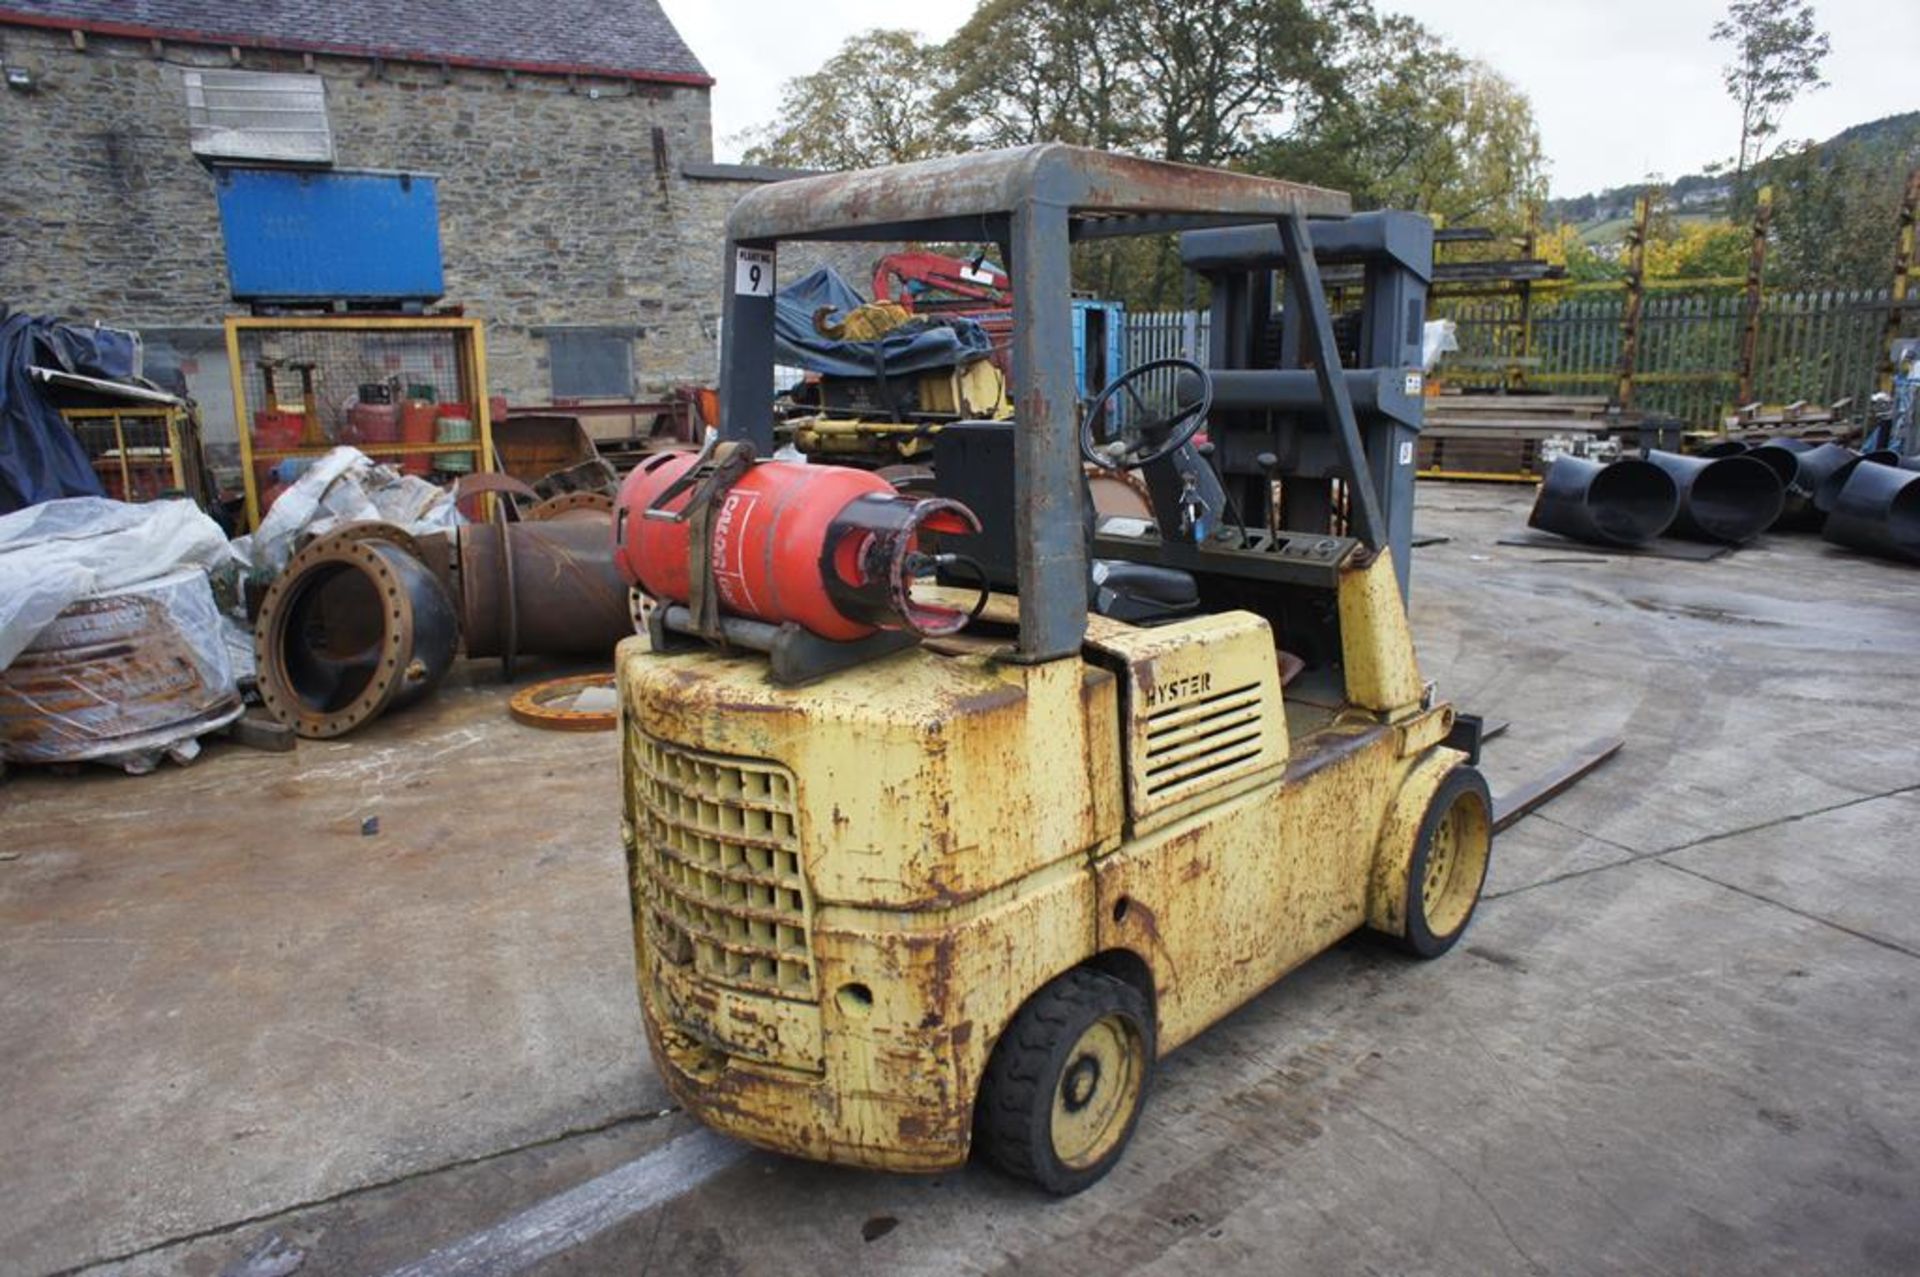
[
  {"x": 1196, "y": 740},
  {"x": 720, "y": 854}
]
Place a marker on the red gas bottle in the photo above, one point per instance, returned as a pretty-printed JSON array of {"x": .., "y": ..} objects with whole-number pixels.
[{"x": 831, "y": 549}]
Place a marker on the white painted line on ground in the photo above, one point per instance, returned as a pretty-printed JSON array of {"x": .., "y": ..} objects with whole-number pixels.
[{"x": 560, "y": 1223}]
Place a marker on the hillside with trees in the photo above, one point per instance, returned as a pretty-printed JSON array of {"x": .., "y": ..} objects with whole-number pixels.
[{"x": 1834, "y": 204}]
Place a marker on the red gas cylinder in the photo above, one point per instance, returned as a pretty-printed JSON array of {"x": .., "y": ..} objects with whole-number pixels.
[
  {"x": 374, "y": 423},
  {"x": 831, "y": 549},
  {"x": 277, "y": 430},
  {"x": 417, "y": 426}
]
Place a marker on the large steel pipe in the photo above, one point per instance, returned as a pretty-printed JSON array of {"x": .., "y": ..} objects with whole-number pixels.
[
  {"x": 1818, "y": 465},
  {"x": 1731, "y": 499},
  {"x": 541, "y": 589},
  {"x": 1627, "y": 502},
  {"x": 355, "y": 626},
  {"x": 1783, "y": 461},
  {"x": 1827, "y": 491},
  {"x": 1803, "y": 468},
  {"x": 1878, "y": 511}
]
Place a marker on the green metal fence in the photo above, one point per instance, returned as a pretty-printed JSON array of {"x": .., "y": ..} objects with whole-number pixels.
[{"x": 1820, "y": 347}]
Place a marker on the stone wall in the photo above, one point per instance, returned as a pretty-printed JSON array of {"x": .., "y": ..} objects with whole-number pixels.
[{"x": 555, "y": 208}]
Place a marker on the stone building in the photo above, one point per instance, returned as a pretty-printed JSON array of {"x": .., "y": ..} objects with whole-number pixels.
[{"x": 581, "y": 214}]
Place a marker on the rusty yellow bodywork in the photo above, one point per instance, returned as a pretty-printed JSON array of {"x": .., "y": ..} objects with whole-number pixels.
[{"x": 843, "y": 892}]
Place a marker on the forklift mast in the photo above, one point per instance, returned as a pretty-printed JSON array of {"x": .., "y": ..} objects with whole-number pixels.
[{"x": 1268, "y": 424}]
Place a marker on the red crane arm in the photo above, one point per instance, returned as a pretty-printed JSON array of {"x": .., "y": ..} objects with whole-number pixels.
[{"x": 954, "y": 276}]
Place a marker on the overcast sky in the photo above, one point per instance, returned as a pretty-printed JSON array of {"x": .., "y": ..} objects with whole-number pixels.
[{"x": 1622, "y": 88}]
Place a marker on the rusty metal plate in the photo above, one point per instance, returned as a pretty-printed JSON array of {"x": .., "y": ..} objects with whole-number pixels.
[{"x": 548, "y": 704}]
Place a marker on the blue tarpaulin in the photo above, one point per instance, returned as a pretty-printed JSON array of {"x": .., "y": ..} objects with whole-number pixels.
[
  {"x": 40, "y": 459},
  {"x": 919, "y": 345}
]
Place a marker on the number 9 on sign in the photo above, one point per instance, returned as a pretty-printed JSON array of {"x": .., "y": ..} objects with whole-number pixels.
[{"x": 753, "y": 272}]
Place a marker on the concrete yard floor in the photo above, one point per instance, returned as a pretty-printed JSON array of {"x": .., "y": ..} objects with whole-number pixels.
[{"x": 237, "y": 1031}]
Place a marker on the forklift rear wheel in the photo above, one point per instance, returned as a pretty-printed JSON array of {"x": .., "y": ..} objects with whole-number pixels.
[
  {"x": 1449, "y": 864},
  {"x": 1067, "y": 1081}
]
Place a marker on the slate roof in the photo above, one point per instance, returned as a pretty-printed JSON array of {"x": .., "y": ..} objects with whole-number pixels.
[{"x": 626, "y": 38}]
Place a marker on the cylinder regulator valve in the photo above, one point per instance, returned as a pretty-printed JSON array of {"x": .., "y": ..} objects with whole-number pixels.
[{"x": 828, "y": 548}]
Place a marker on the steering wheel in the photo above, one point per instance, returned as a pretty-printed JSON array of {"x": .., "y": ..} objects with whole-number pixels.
[{"x": 1146, "y": 438}]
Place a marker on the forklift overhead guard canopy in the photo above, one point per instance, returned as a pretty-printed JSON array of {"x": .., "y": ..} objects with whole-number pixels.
[
  {"x": 1103, "y": 193},
  {"x": 1033, "y": 203}
]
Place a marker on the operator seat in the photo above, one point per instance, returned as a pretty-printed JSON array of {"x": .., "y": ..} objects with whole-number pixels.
[{"x": 973, "y": 464}]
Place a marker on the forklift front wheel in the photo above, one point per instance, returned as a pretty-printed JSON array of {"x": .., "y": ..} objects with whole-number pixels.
[
  {"x": 1449, "y": 864},
  {"x": 1067, "y": 1081}
]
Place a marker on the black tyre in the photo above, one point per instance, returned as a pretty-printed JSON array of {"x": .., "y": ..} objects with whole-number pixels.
[
  {"x": 1067, "y": 1081},
  {"x": 1449, "y": 865}
]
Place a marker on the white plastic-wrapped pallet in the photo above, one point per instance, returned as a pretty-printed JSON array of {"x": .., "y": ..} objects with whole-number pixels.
[
  {"x": 112, "y": 648},
  {"x": 125, "y": 677},
  {"x": 59, "y": 551}
]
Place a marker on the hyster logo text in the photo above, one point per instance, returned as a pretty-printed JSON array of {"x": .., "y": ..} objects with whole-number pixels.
[{"x": 1179, "y": 689}]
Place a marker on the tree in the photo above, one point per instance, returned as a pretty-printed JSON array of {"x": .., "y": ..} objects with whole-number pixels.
[
  {"x": 1835, "y": 210},
  {"x": 1026, "y": 71},
  {"x": 1562, "y": 246},
  {"x": 1419, "y": 126},
  {"x": 1699, "y": 250},
  {"x": 1215, "y": 74},
  {"x": 1777, "y": 51},
  {"x": 1198, "y": 81},
  {"x": 871, "y": 103}
]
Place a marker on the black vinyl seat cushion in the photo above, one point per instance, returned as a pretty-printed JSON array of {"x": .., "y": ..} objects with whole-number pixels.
[{"x": 1142, "y": 592}]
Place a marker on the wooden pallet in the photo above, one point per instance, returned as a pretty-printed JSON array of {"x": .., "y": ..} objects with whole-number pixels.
[{"x": 1498, "y": 437}]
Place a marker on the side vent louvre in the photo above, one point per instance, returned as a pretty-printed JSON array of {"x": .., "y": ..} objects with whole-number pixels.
[{"x": 1196, "y": 740}]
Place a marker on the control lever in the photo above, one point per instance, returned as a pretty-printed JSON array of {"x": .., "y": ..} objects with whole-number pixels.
[{"x": 1269, "y": 464}]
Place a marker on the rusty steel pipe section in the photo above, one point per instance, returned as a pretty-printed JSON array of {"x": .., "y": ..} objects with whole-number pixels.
[
  {"x": 541, "y": 589},
  {"x": 355, "y": 626},
  {"x": 572, "y": 505},
  {"x": 1730, "y": 499},
  {"x": 1627, "y": 502},
  {"x": 1878, "y": 511}
]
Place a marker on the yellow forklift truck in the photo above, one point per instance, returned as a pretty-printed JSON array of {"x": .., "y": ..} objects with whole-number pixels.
[{"x": 911, "y": 876}]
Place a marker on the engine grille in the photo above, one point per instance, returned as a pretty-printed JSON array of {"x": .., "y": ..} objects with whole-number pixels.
[
  {"x": 719, "y": 849},
  {"x": 1194, "y": 741}
]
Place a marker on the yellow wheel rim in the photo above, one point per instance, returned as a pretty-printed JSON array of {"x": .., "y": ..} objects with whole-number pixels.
[
  {"x": 1456, "y": 865},
  {"x": 1098, "y": 1091}
]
